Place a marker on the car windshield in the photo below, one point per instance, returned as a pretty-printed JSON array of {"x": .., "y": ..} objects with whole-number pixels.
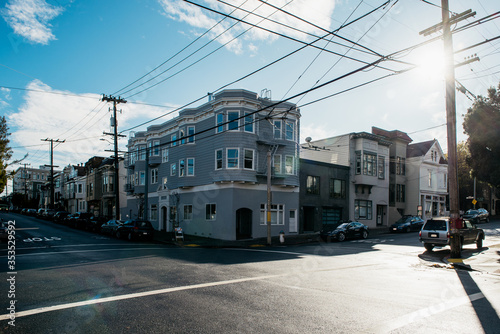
[
  {"x": 343, "y": 225},
  {"x": 471, "y": 212},
  {"x": 402, "y": 220},
  {"x": 435, "y": 225},
  {"x": 143, "y": 224}
]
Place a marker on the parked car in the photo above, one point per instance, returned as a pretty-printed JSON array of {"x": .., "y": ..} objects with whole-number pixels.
[
  {"x": 110, "y": 226},
  {"x": 94, "y": 223},
  {"x": 346, "y": 231},
  {"x": 48, "y": 214},
  {"x": 31, "y": 212},
  {"x": 135, "y": 229},
  {"x": 476, "y": 216},
  {"x": 59, "y": 216},
  {"x": 40, "y": 212},
  {"x": 407, "y": 224},
  {"x": 77, "y": 220},
  {"x": 437, "y": 232},
  {"x": 4, "y": 235}
]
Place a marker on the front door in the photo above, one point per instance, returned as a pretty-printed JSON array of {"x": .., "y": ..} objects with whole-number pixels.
[
  {"x": 309, "y": 212},
  {"x": 243, "y": 224},
  {"x": 380, "y": 214}
]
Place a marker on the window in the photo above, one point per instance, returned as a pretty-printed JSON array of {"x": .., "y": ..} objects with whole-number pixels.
[
  {"x": 173, "y": 214},
  {"x": 277, "y": 214},
  {"x": 232, "y": 118},
  {"x": 164, "y": 155},
  {"x": 188, "y": 212},
  {"x": 381, "y": 167},
  {"x": 154, "y": 175},
  {"x": 362, "y": 209},
  {"x": 80, "y": 187},
  {"x": 174, "y": 140},
  {"x": 290, "y": 130},
  {"x": 182, "y": 136},
  {"x": 312, "y": 185},
  {"x": 232, "y": 158},
  {"x": 277, "y": 163},
  {"x": 370, "y": 164},
  {"x": 165, "y": 180},
  {"x": 248, "y": 162},
  {"x": 400, "y": 166},
  {"x": 429, "y": 172},
  {"x": 220, "y": 121},
  {"x": 182, "y": 167},
  {"x": 210, "y": 211},
  {"x": 173, "y": 169},
  {"x": 358, "y": 163},
  {"x": 277, "y": 129},
  {"x": 154, "y": 212},
  {"x": 190, "y": 166},
  {"x": 141, "y": 152},
  {"x": 156, "y": 148},
  {"x": 445, "y": 180},
  {"x": 142, "y": 177},
  {"x": 218, "y": 159},
  {"x": 400, "y": 193},
  {"x": 337, "y": 188},
  {"x": 190, "y": 132},
  {"x": 248, "y": 122},
  {"x": 289, "y": 164}
]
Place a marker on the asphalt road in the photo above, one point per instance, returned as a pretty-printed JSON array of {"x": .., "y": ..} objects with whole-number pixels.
[{"x": 70, "y": 281}]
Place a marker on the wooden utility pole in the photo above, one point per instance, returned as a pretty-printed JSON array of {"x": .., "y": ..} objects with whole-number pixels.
[
  {"x": 451, "y": 119},
  {"x": 115, "y": 101},
  {"x": 51, "y": 206}
]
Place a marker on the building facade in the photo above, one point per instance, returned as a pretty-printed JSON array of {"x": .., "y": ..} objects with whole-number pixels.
[
  {"x": 206, "y": 170},
  {"x": 427, "y": 177},
  {"x": 367, "y": 157},
  {"x": 324, "y": 195}
]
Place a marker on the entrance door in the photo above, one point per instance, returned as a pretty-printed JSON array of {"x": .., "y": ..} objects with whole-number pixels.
[
  {"x": 309, "y": 218},
  {"x": 380, "y": 214},
  {"x": 243, "y": 224}
]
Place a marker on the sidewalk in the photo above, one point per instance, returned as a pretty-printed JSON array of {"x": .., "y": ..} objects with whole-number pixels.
[
  {"x": 292, "y": 239},
  {"x": 485, "y": 260}
]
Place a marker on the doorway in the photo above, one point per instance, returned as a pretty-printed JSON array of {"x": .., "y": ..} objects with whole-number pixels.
[{"x": 243, "y": 224}]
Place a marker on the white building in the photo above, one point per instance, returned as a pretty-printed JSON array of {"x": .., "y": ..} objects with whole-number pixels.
[{"x": 427, "y": 179}]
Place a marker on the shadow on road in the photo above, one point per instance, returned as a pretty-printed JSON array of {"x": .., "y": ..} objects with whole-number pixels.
[{"x": 485, "y": 312}]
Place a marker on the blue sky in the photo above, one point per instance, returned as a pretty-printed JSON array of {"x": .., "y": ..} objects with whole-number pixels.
[{"x": 57, "y": 57}]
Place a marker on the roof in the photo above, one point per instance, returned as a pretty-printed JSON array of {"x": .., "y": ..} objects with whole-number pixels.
[
  {"x": 394, "y": 134},
  {"x": 419, "y": 149}
]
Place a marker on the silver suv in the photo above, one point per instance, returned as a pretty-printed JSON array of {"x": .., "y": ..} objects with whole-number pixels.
[{"x": 436, "y": 232}]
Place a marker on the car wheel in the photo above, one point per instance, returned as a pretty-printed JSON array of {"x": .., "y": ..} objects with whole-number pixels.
[
  {"x": 408, "y": 229},
  {"x": 428, "y": 247},
  {"x": 118, "y": 235},
  {"x": 341, "y": 237},
  {"x": 364, "y": 234},
  {"x": 130, "y": 236},
  {"x": 479, "y": 243}
]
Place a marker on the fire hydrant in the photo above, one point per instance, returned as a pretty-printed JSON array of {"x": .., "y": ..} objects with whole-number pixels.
[{"x": 282, "y": 236}]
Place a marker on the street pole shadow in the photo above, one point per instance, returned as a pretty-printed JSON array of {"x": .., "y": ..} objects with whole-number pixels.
[{"x": 485, "y": 312}]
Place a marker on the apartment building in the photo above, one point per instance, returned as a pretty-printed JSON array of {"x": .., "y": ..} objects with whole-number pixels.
[{"x": 206, "y": 170}]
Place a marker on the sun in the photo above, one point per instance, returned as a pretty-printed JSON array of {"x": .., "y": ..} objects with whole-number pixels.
[{"x": 430, "y": 64}]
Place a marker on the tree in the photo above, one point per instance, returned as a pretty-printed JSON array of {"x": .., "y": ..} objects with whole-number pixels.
[
  {"x": 465, "y": 180},
  {"x": 482, "y": 125},
  {"x": 5, "y": 152}
]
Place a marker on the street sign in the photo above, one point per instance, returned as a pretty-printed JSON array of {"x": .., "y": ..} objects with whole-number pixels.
[{"x": 474, "y": 201}]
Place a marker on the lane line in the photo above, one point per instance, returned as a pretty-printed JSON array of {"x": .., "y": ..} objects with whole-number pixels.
[
  {"x": 132, "y": 295},
  {"x": 86, "y": 251}
]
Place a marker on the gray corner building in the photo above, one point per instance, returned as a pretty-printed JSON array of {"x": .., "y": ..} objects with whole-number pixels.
[{"x": 206, "y": 170}]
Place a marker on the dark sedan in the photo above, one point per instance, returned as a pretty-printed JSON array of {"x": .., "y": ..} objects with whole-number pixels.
[
  {"x": 407, "y": 224},
  {"x": 110, "y": 226},
  {"x": 345, "y": 231},
  {"x": 135, "y": 229},
  {"x": 476, "y": 216}
]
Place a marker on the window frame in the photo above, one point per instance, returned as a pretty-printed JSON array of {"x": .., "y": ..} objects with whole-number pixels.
[{"x": 229, "y": 160}]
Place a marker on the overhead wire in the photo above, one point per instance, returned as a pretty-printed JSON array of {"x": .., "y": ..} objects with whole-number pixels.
[
  {"x": 185, "y": 58},
  {"x": 251, "y": 73}
]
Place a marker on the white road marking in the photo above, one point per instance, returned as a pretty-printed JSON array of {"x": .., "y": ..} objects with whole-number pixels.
[
  {"x": 83, "y": 251},
  {"x": 132, "y": 295}
]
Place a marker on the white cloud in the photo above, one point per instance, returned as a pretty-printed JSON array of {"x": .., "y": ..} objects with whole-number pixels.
[
  {"x": 78, "y": 120},
  {"x": 318, "y": 11},
  {"x": 30, "y": 19}
]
